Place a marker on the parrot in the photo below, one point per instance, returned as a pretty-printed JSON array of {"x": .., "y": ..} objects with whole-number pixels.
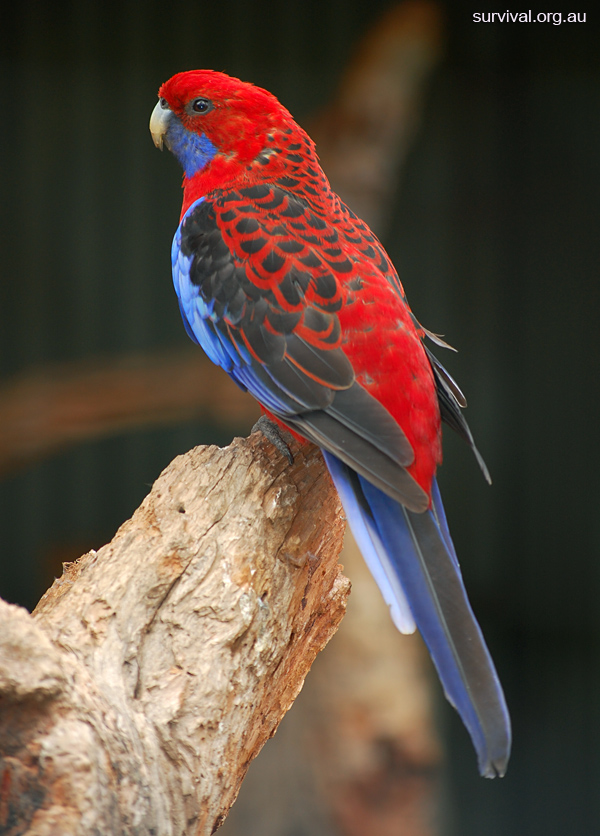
[{"x": 286, "y": 289}]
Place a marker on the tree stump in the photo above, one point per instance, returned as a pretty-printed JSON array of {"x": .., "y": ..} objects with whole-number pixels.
[{"x": 153, "y": 671}]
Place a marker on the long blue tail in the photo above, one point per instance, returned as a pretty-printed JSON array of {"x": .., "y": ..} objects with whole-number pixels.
[{"x": 413, "y": 560}]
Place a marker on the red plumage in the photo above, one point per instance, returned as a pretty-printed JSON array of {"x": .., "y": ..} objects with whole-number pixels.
[{"x": 259, "y": 143}]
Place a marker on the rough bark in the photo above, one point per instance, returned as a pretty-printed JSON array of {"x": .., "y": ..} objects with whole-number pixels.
[
  {"x": 153, "y": 670},
  {"x": 358, "y": 755}
]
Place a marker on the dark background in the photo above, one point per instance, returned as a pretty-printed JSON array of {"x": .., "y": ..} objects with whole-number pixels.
[{"x": 495, "y": 234}]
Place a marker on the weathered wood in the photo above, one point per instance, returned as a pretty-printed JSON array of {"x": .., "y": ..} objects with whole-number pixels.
[{"x": 153, "y": 670}]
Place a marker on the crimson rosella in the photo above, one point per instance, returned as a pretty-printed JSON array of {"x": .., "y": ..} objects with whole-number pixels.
[{"x": 294, "y": 296}]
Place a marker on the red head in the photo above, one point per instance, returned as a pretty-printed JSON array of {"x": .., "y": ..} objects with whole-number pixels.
[{"x": 218, "y": 127}]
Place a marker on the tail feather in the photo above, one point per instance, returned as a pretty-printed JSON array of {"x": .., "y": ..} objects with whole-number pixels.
[
  {"x": 369, "y": 542},
  {"x": 413, "y": 560}
]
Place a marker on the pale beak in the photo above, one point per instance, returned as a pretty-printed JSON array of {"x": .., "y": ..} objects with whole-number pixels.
[{"x": 159, "y": 124}]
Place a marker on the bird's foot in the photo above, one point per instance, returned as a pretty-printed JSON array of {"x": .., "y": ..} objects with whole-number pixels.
[{"x": 271, "y": 431}]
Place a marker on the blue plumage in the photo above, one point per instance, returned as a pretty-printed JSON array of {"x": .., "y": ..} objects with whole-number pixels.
[
  {"x": 413, "y": 560},
  {"x": 192, "y": 150}
]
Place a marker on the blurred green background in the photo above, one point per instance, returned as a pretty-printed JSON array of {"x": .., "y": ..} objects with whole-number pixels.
[{"x": 496, "y": 237}]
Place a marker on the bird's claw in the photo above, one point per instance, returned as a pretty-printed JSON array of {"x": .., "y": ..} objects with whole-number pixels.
[{"x": 271, "y": 431}]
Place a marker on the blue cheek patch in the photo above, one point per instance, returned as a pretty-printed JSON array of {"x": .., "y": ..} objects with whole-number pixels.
[{"x": 192, "y": 150}]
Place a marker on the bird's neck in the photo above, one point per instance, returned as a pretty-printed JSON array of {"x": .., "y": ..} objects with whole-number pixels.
[{"x": 282, "y": 153}]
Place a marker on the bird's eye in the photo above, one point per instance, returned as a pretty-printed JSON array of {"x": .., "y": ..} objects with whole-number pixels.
[
  {"x": 164, "y": 103},
  {"x": 201, "y": 105}
]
